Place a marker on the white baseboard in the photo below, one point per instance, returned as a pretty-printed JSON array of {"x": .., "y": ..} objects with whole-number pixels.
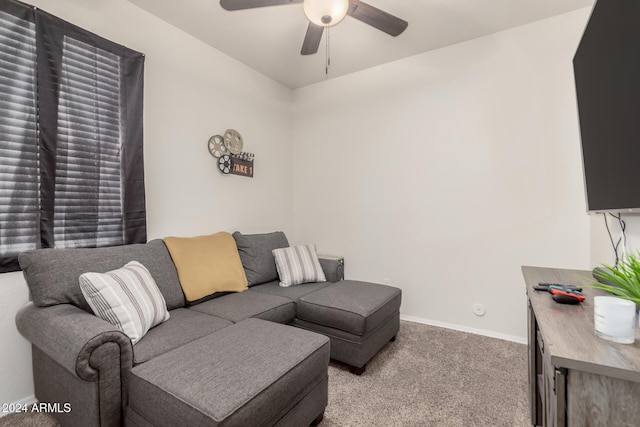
[
  {"x": 491, "y": 334},
  {"x": 29, "y": 400}
]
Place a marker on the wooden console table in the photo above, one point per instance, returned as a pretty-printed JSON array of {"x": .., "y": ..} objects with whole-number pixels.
[{"x": 576, "y": 378}]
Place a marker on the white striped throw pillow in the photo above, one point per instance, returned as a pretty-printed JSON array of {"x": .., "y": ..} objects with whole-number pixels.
[
  {"x": 128, "y": 298},
  {"x": 298, "y": 264}
]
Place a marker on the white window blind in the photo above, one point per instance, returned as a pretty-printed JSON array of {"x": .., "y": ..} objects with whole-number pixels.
[
  {"x": 19, "y": 173},
  {"x": 71, "y": 137},
  {"x": 88, "y": 188}
]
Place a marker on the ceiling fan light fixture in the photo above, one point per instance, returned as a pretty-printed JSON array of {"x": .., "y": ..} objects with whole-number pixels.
[{"x": 325, "y": 13}]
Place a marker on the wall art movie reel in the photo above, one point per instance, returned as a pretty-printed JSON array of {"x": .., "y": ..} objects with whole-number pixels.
[{"x": 231, "y": 159}]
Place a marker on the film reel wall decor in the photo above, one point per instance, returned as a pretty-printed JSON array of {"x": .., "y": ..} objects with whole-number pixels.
[{"x": 227, "y": 149}]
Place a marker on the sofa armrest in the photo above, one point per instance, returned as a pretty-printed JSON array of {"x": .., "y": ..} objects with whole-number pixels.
[
  {"x": 333, "y": 267},
  {"x": 70, "y": 336}
]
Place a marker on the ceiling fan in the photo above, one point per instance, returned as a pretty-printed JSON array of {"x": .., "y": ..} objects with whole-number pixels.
[{"x": 327, "y": 13}]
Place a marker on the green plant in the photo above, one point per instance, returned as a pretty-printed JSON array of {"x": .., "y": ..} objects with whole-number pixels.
[{"x": 622, "y": 281}]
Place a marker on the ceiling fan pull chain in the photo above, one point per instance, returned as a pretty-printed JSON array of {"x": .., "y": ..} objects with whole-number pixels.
[
  {"x": 327, "y": 52},
  {"x": 329, "y": 46}
]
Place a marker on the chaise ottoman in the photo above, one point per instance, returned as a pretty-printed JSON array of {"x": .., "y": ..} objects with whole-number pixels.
[
  {"x": 252, "y": 373},
  {"x": 358, "y": 317}
]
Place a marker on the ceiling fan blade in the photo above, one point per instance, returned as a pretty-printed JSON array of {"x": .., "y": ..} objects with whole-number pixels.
[
  {"x": 312, "y": 39},
  {"x": 252, "y": 4},
  {"x": 377, "y": 18}
]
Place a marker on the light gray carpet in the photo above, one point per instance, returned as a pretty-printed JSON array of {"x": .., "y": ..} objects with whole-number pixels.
[
  {"x": 433, "y": 377},
  {"x": 429, "y": 377},
  {"x": 28, "y": 419}
]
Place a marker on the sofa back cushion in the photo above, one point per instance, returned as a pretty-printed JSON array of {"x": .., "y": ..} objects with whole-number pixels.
[
  {"x": 53, "y": 274},
  {"x": 256, "y": 255}
]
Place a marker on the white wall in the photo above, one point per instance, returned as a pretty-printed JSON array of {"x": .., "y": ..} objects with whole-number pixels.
[
  {"x": 447, "y": 171},
  {"x": 191, "y": 93},
  {"x": 16, "y": 384},
  {"x": 601, "y": 247}
]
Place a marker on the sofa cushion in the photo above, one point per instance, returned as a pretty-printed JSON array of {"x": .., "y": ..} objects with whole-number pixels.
[
  {"x": 294, "y": 293},
  {"x": 351, "y": 306},
  {"x": 207, "y": 264},
  {"x": 297, "y": 265},
  {"x": 42, "y": 267},
  {"x": 239, "y": 376},
  {"x": 183, "y": 326},
  {"x": 240, "y": 306},
  {"x": 255, "y": 253},
  {"x": 128, "y": 298}
]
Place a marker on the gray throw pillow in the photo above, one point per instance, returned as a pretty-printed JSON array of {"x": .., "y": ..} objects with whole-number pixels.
[{"x": 256, "y": 255}]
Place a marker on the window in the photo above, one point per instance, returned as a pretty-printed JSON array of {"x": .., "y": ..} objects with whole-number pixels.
[
  {"x": 19, "y": 137},
  {"x": 88, "y": 192},
  {"x": 71, "y": 163}
]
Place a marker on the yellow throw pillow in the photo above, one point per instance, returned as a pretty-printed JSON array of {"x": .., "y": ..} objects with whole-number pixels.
[{"x": 207, "y": 264}]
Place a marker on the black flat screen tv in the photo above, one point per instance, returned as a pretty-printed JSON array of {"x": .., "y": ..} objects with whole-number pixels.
[{"x": 607, "y": 76}]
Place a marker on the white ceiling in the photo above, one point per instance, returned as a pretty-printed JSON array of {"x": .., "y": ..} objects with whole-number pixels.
[{"x": 269, "y": 39}]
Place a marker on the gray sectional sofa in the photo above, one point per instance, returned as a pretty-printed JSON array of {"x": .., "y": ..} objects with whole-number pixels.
[{"x": 234, "y": 360}]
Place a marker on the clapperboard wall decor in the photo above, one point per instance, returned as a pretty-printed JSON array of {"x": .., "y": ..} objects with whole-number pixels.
[
  {"x": 228, "y": 150},
  {"x": 242, "y": 164}
]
